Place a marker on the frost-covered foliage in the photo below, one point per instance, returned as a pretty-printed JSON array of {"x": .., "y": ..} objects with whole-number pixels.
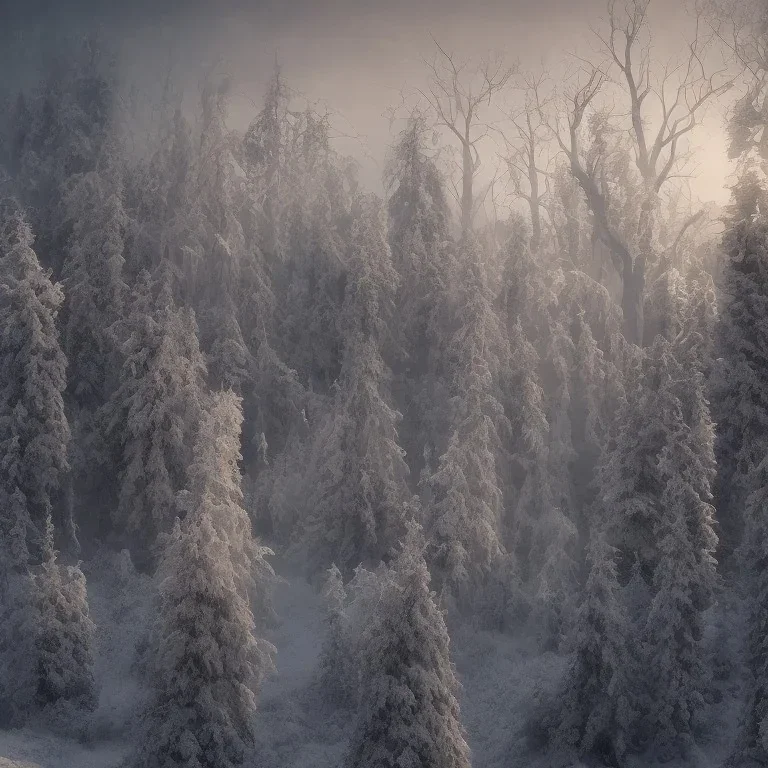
[
  {"x": 61, "y": 129},
  {"x": 656, "y": 483},
  {"x": 595, "y": 715},
  {"x": 231, "y": 289},
  {"x": 252, "y": 342},
  {"x": 742, "y": 409},
  {"x": 152, "y": 415},
  {"x": 741, "y": 399},
  {"x": 337, "y": 668},
  {"x": 93, "y": 282},
  {"x": 465, "y": 512},
  {"x": 207, "y": 663},
  {"x": 318, "y": 187},
  {"x": 423, "y": 255},
  {"x": 410, "y": 713},
  {"x": 47, "y": 643},
  {"x": 357, "y": 474},
  {"x": 63, "y": 633},
  {"x": 34, "y": 432}
]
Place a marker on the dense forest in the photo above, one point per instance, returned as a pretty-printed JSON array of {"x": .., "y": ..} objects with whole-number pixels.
[{"x": 515, "y": 418}]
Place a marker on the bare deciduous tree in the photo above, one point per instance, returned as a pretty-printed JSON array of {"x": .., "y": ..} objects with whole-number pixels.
[
  {"x": 679, "y": 90},
  {"x": 528, "y": 150},
  {"x": 458, "y": 95}
]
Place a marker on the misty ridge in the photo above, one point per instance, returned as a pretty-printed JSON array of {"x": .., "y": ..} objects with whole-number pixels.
[{"x": 459, "y": 463}]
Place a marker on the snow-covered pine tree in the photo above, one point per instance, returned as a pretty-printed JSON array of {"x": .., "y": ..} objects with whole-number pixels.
[
  {"x": 419, "y": 221},
  {"x": 656, "y": 482},
  {"x": 46, "y": 640},
  {"x": 553, "y": 559},
  {"x": 526, "y": 492},
  {"x": 34, "y": 433},
  {"x": 595, "y": 715},
  {"x": 684, "y": 579},
  {"x": 70, "y": 119},
  {"x": 676, "y": 661},
  {"x": 231, "y": 289},
  {"x": 465, "y": 510},
  {"x": 150, "y": 419},
  {"x": 740, "y": 398},
  {"x": 410, "y": 714},
  {"x": 92, "y": 277},
  {"x": 63, "y": 633},
  {"x": 588, "y": 421},
  {"x": 336, "y": 677},
  {"x": 357, "y": 474},
  {"x": 207, "y": 660},
  {"x": 310, "y": 280},
  {"x": 266, "y": 160}
]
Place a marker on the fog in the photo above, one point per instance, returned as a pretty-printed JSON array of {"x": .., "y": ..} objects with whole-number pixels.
[
  {"x": 357, "y": 58},
  {"x": 383, "y": 384}
]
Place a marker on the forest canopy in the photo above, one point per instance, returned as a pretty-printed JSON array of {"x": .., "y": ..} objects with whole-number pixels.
[{"x": 517, "y": 390}]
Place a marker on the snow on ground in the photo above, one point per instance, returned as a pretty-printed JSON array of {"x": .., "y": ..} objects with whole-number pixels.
[
  {"x": 502, "y": 679},
  {"x": 292, "y": 731},
  {"x": 49, "y": 751},
  {"x": 119, "y": 601}
]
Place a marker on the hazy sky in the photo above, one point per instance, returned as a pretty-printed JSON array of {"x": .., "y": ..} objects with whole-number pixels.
[{"x": 357, "y": 56}]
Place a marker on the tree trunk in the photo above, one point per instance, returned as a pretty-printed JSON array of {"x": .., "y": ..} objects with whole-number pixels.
[
  {"x": 633, "y": 294},
  {"x": 533, "y": 179},
  {"x": 467, "y": 201}
]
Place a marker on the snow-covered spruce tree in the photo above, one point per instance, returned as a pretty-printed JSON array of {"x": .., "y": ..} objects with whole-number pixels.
[
  {"x": 740, "y": 398},
  {"x": 310, "y": 280},
  {"x": 656, "y": 482},
  {"x": 594, "y": 714},
  {"x": 465, "y": 493},
  {"x": 223, "y": 425},
  {"x": 357, "y": 474},
  {"x": 94, "y": 299},
  {"x": 740, "y": 394},
  {"x": 419, "y": 217},
  {"x": 150, "y": 419},
  {"x": 336, "y": 677},
  {"x": 419, "y": 221},
  {"x": 63, "y": 633},
  {"x": 525, "y": 295},
  {"x": 684, "y": 579},
  {"x": 410, "y": 714},
  {"x": 46, "y": 640},
  {"x": 741, "y": 391},
  {"x": 280, "y": 398},
  {"x": 265, "y": 159},
  {"x": 207, "y": 661},
  {"x": 589, "y": 421},
  {"x": 527, "y": 488},
  {"x": 231, "y": 288},
  {"x": 465, "y": 510},
  {"x": 70, "y": 119},
  {"x": 676, "y": 661},
  {"x": 93, "y": 282},
  {"x": 553, "y": 559},
  {"x": 159, "y": 197},
  {"x": 752, "y": 740},
  {"x": 34, "y": 433}
]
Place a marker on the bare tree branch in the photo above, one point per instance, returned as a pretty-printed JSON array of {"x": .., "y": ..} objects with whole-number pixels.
[{"x": 457, "y": 96}]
